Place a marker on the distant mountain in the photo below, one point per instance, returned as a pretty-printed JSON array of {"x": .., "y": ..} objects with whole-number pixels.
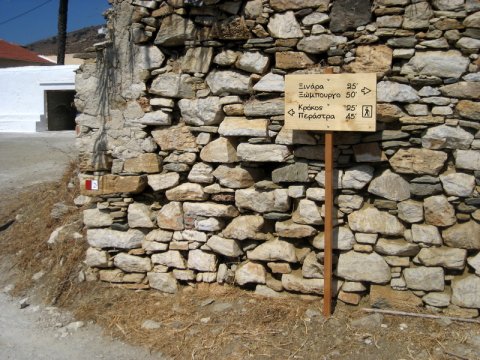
[{"x": 77, "y": 41}]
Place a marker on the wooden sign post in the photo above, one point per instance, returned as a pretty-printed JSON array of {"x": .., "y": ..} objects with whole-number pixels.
[{"x": 330, "y": 102}]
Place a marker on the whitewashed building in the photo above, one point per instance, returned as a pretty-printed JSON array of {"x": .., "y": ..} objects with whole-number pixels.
[{"x": 37, "y": 98}]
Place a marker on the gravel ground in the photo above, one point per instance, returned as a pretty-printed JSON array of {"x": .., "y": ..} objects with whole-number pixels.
[{"x": 39, "y": 333}]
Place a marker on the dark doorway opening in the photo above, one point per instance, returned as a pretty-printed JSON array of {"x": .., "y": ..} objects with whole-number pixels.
[{"x": 61, "y": 110}]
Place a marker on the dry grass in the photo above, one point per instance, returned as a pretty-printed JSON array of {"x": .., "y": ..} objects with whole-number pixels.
[
  {"x": 209, "y": 322},
  {"x": 25, "y": 241},
  {"x": 254, "y": 327},
  {"x": 191, "y": 329}
]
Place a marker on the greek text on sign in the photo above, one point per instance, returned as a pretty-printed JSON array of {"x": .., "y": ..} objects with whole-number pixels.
[{"x": 331, "y": 102}]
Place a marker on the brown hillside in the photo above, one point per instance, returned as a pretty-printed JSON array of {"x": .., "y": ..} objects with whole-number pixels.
[{"x": 77, "y": 41}]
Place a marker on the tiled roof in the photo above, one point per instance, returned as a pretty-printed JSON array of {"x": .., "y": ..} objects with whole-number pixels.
[{"x": 15, "y": 52}]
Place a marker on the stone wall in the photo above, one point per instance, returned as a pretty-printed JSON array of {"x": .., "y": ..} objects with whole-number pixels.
[{"x": 181, "y": 125}]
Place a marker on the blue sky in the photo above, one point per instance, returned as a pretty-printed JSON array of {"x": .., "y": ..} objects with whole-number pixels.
[{"x": 42, "y": 22}]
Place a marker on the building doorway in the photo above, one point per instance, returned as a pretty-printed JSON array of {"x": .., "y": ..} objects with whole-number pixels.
[{"x": 61, "y": 110}]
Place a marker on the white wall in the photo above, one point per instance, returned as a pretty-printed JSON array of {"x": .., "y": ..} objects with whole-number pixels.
[{"x": 22, "y": 102}]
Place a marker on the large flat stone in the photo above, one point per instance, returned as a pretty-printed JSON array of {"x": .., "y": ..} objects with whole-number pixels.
[
  {"x": 437, "y": 63},
  {"x": 357, "y": 177},
  {"x": 417, "y": 16},
  {"x": 262, "y": 153},
  {"x": 418, "y": 161},
  {"x": 170, "y": 216},
  {"x": 245, "y": 227},
  {"x": 371, "y": 220},
  {"x": 197, "y": 60},
  {"x": 283, "y": 5},
  {"x": 174, "y": 30},
  {"x": 425, "y": 278},
  {"x": 287, "y": 60},
  {"x": 253, "y": 62},
  {"x": 173, "y": 86},
  {"x": 170, "y": 259},
  {"x": 467, "y": 159},
  {"x": 225, "y": 247},
  {"x": 448, "y": 258},
  {"x": 388, "y": 91},
  {"x": 273, "y": 250},
  {"x": 410, "y": 211},
  {"x": 354, "y": 266},
  {"x": 466, "y": 292},
  {"x": 291, "y": 282},
  {"x": 107, "y": 238},
  {"x": 131, "y": 263},
  {"x": 271, "y": 83},
  {"x": 155, "y": 118},
  {"x": 438, "y": 211},
  {"x": 174, "y": 138},
  {"x": 316, "y": 44},
  {"x": 349, "y": 14},
  {"x": 113, "y": 184},
  {"x": 221, "y": 150},
  {"x": 204, "y": 111},
  {"x": 186, "y": 192},
  {"x": 140, "y": 216},
  {"x": 209, "y": 210},
  {"x": 146, "y": 163},
  {"x": 463, "y": 90},
  {"x": 262, "y": 201},
  {"x": 201, "y": 173},
  {"x": 294, "y": 137},
  {"x": 390, "y": 186},
  {"x": 297, "y": 172},
  {"x": 426, "y": 234},
  {"x": 469, "y": 109},
  {"x": 458, "y": 184},
  {"x": 284, "y": 26},
  {"x": 307, "y": 213},
  {"x": 250, "y": 273},
  {"x": 289, "y": 229},
  {"x": 165, "y": 282},
  {"x": 241, "y": 126},
  {"x": 371, "y": 59},
  {"x": 399, "y": 247},
  {"x": 447, "y": 137},
  {"x": 258, "y": 108},
  {"x": 202, "y": 261},
  {"x": 163, "y": 181},
  {"x": 465, "y": 235},
  {"x": 93, "y": 218},
  {"x": 223, "y": 82},
  {"x": 236, "y": 177}
]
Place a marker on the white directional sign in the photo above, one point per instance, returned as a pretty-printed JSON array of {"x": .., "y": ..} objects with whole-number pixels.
[{"x": 331, "y": 102}]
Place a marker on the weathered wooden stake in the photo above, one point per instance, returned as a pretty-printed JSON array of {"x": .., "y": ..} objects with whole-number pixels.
[{"x": 328, "y": 227}]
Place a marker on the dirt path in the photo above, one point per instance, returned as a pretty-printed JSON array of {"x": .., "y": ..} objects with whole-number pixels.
[
  {"x": 41, "y": 333},
  {"x": 38, "y": 332},
  {"x": 27, "y": 159}
]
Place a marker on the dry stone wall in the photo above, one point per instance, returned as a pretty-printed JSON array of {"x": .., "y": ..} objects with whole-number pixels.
[{"x": 181, "y": 125}]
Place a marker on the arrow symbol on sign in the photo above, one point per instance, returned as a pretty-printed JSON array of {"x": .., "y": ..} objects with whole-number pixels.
[
  {"x": 366, "y": 90},
  {"x": 291, "y": 112}
]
